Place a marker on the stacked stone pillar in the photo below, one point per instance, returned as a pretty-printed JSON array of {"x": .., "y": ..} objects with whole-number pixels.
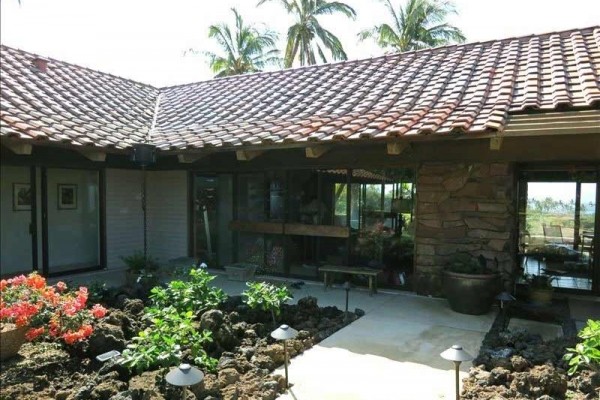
[{"x": 463, "y": 208}]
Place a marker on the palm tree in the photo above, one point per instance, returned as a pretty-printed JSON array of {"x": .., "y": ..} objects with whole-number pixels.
[
  {"x": 418, "y": 25},
  {"x": 307, "y": 38},
  {"x": 246, "y": 49}
]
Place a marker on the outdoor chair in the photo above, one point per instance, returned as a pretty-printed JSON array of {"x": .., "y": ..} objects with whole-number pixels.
[
  {"x": 553, "y": 234},
  {"x": 587, "y": 246}
]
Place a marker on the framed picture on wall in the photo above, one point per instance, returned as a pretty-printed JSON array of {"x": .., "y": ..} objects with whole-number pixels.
[
  {"x": 67, "y": 196},
  {"x": 21, "y": 197}
]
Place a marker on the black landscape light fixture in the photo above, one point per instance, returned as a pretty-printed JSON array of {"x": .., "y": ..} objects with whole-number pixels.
[
  {"x": 457, "y": 355},
  {"x": 144, "y": 154},
  {"x": 285, "y": 333},
  {"x": 505, "y": 299},
  {"x": 185, "y": 375},
  {"x": 347, "y": 289}
]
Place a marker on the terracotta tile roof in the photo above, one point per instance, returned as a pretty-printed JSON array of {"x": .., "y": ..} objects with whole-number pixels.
[
  {"x": 465, "y": 89},
  {"x": 71, "y": 104}
]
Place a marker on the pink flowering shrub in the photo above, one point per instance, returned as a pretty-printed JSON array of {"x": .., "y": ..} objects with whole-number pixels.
[{"x": 48, "y": 311}]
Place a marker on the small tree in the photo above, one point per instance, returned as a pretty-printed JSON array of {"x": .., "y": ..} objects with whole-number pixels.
[{"x": 267, "y": 297}]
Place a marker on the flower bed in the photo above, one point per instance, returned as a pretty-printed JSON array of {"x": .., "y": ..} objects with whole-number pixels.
[
  {"x": 239, "y": 343},
  {"x": 519, "y": 365}
]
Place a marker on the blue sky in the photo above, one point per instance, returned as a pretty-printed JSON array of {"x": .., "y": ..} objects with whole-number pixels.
[{"x": 145, "y": 39}]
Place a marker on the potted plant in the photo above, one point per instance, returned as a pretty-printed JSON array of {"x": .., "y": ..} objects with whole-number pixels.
[
  {"x": 540, "y": 288},
  {"x": 139, "y": 267},
  {"x": 469, "y": 285},
  {"x": 376, "y": 243}
]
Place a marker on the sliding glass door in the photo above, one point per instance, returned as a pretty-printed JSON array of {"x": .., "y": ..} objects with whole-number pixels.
[
  {"x": 16, "y": 222},
  {"x": 557, "y": 226},
  {"x": 73, "y": 219}
]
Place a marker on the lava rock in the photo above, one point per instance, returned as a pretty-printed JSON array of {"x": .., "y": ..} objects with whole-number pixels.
[
  {"x": 134, "y": 307},
  {"x": 106, "y": 337},
  {"x": 211, "y": 320}
]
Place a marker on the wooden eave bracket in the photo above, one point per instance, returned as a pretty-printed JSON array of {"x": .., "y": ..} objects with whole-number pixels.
[
  {"x": 247, "y": 155},
  {"x": 21, "y": 149},
  {"x": 396, "y": 148},
  {"x": 93, "y": 155},
  {"x": 316, "y": 151},
  {"x": 189, "y": 158},
  {"x": 496, "y": 142}
]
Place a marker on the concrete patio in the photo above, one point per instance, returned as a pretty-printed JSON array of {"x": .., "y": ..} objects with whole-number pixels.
[{"x": 390, "y": 353}]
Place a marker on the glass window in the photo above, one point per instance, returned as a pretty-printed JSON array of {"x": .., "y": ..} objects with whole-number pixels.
[
  {"x": 557, "y": 215},
  {"x": 213, "y": 211},
  {"x": 15, "y": 221},
  {"x": 73, "y": 219}
]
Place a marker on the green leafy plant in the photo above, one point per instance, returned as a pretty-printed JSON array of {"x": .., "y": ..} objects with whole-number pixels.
[
  {"x": 138, "y": 263},
  {"x": 194, "y": 295},
  {"x": 267, "y": 297},
  {"x": 163, "y": 343},
  {"x": 586, "y": 354}
]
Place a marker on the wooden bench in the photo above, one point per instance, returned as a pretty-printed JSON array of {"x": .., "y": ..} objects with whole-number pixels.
[{"x": 371, "y": 273}]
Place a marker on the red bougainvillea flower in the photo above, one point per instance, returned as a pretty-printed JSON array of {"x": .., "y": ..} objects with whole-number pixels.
[
  {"x": 34, "y": 333},
  {"x": 48, "y": 311},
  {"x": 61, "y": 286},
  {"x": 98, "y": 311}
]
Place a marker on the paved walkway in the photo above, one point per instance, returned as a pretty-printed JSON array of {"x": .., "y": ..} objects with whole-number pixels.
[{"x": 392, "y": 353}]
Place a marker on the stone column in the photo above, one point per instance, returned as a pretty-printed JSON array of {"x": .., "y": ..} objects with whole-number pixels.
[{"x": 463, "y": 208}]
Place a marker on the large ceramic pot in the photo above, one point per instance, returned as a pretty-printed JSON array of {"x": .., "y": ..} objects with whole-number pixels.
[
  {"x": 470, "y": 293},
  {"x": 11, "y": 340},
  {"x": 541, "y": 296}
]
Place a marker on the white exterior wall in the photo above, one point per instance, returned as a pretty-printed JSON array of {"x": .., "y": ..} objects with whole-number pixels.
[
  {"x": 167, "y": 214},
  {"x": 124, "y": 218}
]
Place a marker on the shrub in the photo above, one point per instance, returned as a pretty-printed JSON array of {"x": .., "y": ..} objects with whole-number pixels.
[
  {"x": 194, "y": 295},
  {"x": 162, "y": 344},
  {"x": 137, "y": 263},
  {"x": 48, "y": 311},
  {"x": 173, "y": 330},
  {"x": 266, "y": 296},
  {"x": 587, "y": 352}
]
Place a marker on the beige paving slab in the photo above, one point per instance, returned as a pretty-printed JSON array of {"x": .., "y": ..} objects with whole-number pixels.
[{"x": 390, "y": 353}]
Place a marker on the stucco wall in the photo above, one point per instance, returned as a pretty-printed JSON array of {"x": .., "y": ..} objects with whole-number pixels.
[{"x": 464, "y": 208}]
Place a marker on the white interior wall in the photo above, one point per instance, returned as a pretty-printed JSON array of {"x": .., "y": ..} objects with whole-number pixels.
[{"x": 167, "y": 206}]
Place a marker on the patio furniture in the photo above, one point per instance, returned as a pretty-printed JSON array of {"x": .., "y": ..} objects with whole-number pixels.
[
  {"x": 553, "y": 234},
  {"x": 587, "y": 246},
  {"x": 369, "y": 272}
]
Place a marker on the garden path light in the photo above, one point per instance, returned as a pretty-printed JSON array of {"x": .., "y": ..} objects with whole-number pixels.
[
  {"x": 284, "y": 332},
  {"x": 457, "y": 355}
]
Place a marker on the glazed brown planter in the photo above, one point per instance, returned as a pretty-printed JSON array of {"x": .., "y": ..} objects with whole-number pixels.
[
  {"x": 541, "y": 296},
  {"x": 11, "y": 340},
  {"x": 470, "y": 294}
]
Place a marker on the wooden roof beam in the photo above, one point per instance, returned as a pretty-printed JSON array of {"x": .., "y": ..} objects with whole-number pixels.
[
  {"x": 187, "y": 158},
  {"x": 19, "y": 148},
  {"x": 396, "y": 148},
  {"x": 316, "y": 151},
  {"x": 93, "y": 155},
  {"x": 247, "y": 155},
  {"x": 496, "y": 143}
]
